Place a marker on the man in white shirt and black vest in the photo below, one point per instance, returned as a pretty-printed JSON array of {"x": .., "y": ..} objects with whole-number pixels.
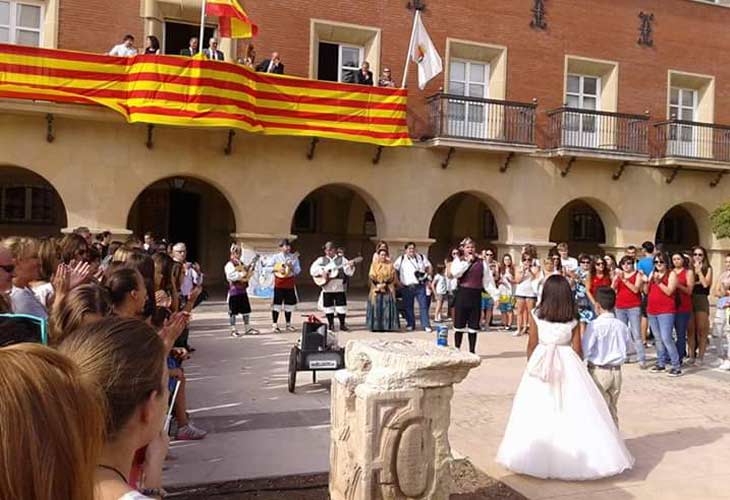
[
  {"x": 332, "y": 271},
  {"x": 413, "y": 274},
  {"x": 605, "y": 348}
]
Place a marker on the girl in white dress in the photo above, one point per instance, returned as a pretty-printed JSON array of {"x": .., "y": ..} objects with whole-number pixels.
[{"x": 560, "y": 426}]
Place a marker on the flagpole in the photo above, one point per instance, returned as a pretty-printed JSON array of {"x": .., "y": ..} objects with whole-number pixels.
[
  {"x": 410, "y": 47},
  {"x": 202, "y": 28}
]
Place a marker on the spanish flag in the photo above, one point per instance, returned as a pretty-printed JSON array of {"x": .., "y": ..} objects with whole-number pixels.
[{"x": 232, "y": 19}]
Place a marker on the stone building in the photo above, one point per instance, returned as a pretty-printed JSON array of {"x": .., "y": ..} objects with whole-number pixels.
[{"x": 599, "y": 123}]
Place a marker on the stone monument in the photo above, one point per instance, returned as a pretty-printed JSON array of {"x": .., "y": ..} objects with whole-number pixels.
[{"x": 391, "y": 410}]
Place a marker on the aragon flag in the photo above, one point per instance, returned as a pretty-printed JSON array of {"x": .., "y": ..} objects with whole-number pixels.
[{"x": 232, "y": 19}]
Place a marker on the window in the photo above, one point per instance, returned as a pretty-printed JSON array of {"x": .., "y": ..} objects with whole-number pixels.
[
  {"x": 339, "y": 62},
  {"x": 490, "y": 226},
  {"x": 20, "y": 22},
  {"x": 586, "y": 226},
  {"x": 305, "y": 218},
  {"x": 669, "y": 230},
  {"x": 28, "y": 204},
  {"x": 369, "y": 226},
  {"x": 581, "y": 92},
  {"x": 467, "y": 118},
  {"x": 178, "y": 34},
  {"x": 337, "y": 50}
]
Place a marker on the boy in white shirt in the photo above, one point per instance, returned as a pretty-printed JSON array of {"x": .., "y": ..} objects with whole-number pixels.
[{"x": 605, "y": 348}]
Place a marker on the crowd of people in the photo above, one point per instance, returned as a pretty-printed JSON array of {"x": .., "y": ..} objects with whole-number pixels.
[
  {"x": 662, "y": 297},
  {"x": 272, "y": 64},
  {"x": 87, "y": 414}
]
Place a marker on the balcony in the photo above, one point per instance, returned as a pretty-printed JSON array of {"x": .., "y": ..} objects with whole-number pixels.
[
  {"x": 487, "y": 124},
  {"x": 600, "y": 135},
  {"x": 693, "y": 144}
]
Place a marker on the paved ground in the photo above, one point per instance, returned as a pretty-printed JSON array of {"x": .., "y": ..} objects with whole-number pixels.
[{"x": 678, "y": 429}]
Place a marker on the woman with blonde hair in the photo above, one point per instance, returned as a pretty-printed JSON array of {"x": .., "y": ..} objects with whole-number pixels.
[
  {"x": 82, "y": 305},
  {"x": 382, "y": 312},
  {"x": 51, "y": 426},
  {"x": 127, "y": 360},
  {"x": 27, "y": 270}
]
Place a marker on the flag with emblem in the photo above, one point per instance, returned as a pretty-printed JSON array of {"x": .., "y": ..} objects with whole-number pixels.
[
  {"x": 424, "y": 53},
  {"x": 233, "y": 22}
]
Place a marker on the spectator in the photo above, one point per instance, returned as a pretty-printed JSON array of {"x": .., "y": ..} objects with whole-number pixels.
[
  {"x": 51, "y": 426},
  {"x": 127, "y": 292},
  {"x": 27, "y": 269},
  {"x": 212, "y": 51},
  {"x": 74, "y": 248},
  {"x": 124, "y": 49},
  {"x": 84, "y": 232},
  {"x": 104, "y": 239},
  {"x": 7, "y": 273},
  {"x": 272, "y": 65},
  {"x": 364, "y": 76},
  {"x": 250, "y": 59},
  {"x": 569, "y": 264},
  {"x": 192, "y": 48},
  {"x": 81, "y": 306},
  {"x": 386, "y": 80},
  {"x": 149, "y": 245},
  {"x": 153, "y": 46},
  {"x": 49, "y": 255},
  {"x": 127, "y": 359}
]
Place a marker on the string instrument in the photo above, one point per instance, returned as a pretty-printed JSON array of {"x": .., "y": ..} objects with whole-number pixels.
[
  {"x": 284, "y": 269},
  {"x": 331, "y": 272},
  {"x": 247, "y": 270}
]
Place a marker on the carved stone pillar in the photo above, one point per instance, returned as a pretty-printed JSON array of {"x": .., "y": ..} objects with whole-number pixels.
[{"x": 391, "y": 410}]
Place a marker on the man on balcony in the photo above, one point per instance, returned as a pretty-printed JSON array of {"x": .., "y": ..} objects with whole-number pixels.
[
  {"x": 192, "y": 48},
  {"x": 124, "y": 49},
  {"x": 212, "y": 51},
  {"x": 271, "y": 65}
]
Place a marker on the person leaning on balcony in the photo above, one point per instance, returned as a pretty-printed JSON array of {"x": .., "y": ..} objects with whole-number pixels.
[
  {"x": 364, "y": 76},
  {"x": 124, "y": 49},
  {"x": 385, "y": 79},
  {"x": 250, "y": 59},
  {"x": 271, "y": 65},
  {"x": 153, "y": 46},
  {"x": 192, "y": 48},
  {"x": 212, "y": 51}
]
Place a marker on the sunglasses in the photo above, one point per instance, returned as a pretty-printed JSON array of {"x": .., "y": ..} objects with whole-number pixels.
[
  {"x": 658, "y": 262},
  {"x": 585, "y": 261},
  {"x": 627, "y": 263},
  {"x": 9, "y": 268},
  {"x": 698, "y": 254},
  {"x": 490, "y": 254},
  {"x": 600, "y": 264}
]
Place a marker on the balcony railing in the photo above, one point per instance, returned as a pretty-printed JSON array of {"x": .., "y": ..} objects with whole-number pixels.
[
  {"x": 692, "y": 140},
  {"x": 483, "y": 120},
  {"x": 598, "y": 131}
]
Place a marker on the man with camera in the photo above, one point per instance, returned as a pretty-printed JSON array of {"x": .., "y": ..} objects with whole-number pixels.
[{"x": 413, "y": 273}]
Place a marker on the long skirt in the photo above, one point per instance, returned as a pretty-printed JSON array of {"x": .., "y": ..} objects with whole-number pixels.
[{"x": 382, "y": 313}]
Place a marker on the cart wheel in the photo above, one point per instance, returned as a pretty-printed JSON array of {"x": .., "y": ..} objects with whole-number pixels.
[
  {"x": 293, "y": 355},
  {"x": 314, "y": 377}
]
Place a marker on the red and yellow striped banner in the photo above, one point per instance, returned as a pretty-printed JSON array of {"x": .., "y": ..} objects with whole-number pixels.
[{"x": 171, "y": 90}]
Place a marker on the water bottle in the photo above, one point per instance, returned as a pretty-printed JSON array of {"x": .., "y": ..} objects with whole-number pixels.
[{"x": 442, "y": 335}]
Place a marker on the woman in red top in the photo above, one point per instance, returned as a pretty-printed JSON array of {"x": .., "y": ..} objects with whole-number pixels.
[
  {"x": 661, "y": 309},
  {"x": 685, "y": 283},
  {"x": 600, "y": 276},
  {"x": 628, "y": 283}
]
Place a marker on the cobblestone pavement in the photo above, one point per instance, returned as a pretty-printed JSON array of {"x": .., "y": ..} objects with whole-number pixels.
[{"x": 677, "y": 429}]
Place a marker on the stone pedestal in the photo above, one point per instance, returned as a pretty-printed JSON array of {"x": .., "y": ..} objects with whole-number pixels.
[{"x": 391, "y": 410}]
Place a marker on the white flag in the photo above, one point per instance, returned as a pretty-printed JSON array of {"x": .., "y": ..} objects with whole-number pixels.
[{"x": 424, "y": 54}]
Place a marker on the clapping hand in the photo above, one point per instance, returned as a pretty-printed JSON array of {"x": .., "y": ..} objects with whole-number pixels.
[
  {"x": 173, "y": 328},
  {"x": 78, "y": 274},
  {"x": 162, "y": 299}
]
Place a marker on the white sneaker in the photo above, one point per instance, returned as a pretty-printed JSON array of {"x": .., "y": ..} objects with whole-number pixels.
[
  {"x": 517, "y": 333},
  {"x": 725, "y": 365},
  {"x": 698, "y": 362},
  {"x": 275, "y": 328},
  {"x": 427, "y": 329}
]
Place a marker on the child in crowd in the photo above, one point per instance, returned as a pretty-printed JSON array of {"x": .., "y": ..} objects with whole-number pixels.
[
  {"x": 506, "y": 298},
  {"x": 487, "y": 307},
  {"x": 440, "y": 288}
]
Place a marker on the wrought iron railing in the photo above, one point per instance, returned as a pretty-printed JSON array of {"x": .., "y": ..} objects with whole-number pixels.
[
  {"x": 692, "y": 140},
  {"x": 600, "y": 131},
  {"x": 484, "y": 120}
]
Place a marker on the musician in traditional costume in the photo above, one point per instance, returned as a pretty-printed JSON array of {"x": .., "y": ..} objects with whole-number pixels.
[
  {"x": 413, "y": 274},
  {"x": 331, "y": 272},
  {"x": 473, "y": 275},
  {"x": 286, "y": 268},
  {"x": 382, "y": 313},
  {"x": 238, "y": 274}
]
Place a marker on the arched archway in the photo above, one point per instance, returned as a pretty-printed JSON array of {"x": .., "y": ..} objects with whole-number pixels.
[
  {"x": 678, "y": 229},
  {"x": 463, "y": 214},
  {"x": 583, "y": 225},
  {"x": 29, "y": 204},
  {"x": 338, "y": 213},
  {"x": 191, "y": 211}
]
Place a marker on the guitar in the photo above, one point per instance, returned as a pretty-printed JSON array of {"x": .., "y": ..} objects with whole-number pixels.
[
  {"x": 332, "y": 272},
  {"x": 284, "y": 269},
  {"x": 247, "y": 270}
]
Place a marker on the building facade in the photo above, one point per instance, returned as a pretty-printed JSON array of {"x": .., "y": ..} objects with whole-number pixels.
[{"x": 599, "y": 123}]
